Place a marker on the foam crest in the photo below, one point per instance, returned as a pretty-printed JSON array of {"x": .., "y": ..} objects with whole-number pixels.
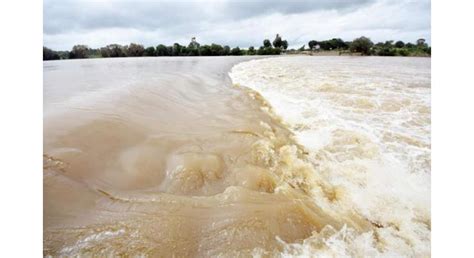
[{"x": 365, "y": 123}]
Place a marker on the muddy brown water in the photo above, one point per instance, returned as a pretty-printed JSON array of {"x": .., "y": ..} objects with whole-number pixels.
[{"x": 166, "y": 157}]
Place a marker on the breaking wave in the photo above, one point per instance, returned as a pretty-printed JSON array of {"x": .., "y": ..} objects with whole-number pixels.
[
  {"x": 364, "y": 124},
  {"x": 305, "y": 156}
]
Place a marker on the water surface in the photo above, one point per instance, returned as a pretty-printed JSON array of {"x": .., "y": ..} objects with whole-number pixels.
[{"x": 160, "y": 156}]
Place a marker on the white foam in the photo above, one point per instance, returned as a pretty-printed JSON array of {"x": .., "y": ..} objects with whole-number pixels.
[{"x": 366, "y": 123}]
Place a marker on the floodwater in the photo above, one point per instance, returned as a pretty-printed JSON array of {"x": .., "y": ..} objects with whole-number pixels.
[{"x": 223, "y": 156}]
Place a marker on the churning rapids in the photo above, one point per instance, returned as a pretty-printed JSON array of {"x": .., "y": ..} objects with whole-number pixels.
[{"x": 237, "y": 156}]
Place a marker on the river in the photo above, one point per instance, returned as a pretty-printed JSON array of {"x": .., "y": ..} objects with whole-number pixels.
[{"x": 237, "y": 156}]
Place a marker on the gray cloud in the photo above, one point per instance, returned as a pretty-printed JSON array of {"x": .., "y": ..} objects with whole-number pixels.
[
  {"x": 237, "y": 22},
  {"x": 63, "y": 15}
]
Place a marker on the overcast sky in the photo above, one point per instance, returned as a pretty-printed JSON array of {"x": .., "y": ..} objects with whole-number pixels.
[{"x": 243, "y": 23}]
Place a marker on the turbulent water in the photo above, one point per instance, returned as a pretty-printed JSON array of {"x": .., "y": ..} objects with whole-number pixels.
[{"x": 287, "y": 156}]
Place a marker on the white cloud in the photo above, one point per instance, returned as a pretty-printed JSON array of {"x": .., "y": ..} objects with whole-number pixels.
[{"x": 381, "y": 20}]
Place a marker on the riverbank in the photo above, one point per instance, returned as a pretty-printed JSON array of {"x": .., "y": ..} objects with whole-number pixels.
[
  {"x": 322, "y": 53},
  {"x": 348, "y": 53}
]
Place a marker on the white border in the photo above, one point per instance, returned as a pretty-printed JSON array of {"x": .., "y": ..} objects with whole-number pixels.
[
  {"x": 452, "y": 129},
  {"x": 21, "y": 129},
  {"x": 21, "y": 175}
]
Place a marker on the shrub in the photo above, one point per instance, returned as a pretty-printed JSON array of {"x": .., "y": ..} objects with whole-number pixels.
[{"x": 402, "y": 52}]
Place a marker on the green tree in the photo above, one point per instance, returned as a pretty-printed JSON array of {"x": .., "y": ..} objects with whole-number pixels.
[
  {"x": 399, "y": 44},
  {"x": 217, "y": 50},
  {"x": 312, "y": 44},
  {"x": 205, "y": 50},
  {"x": 49, "y": 54},
  {"x": 409, "y": 45},
  {"x": 421, "y": 42},
  {"x": 226, "y": 50},
  {"x": 388, "y": 43},
  {"x": 190, "y": 51},
  {"x": 162, "y": 50},
  {"x": 277, "y": 41},
  {"x": 326, "y": 45},
  {"x": 104, "y": 52},
  {"x": 185, "y": 51},
  {"x": 284, "y": 44},
  {"x": 63, "y": 54},
  {"x": 193, "y": 44},
  {"x": 177, "y": 49},
  {"x": 268, "y": 51},
  {"x": 379, "y": 44},
  {"x": 169, "y": 50},
  {"x": 135, "y": 50},
  {"x": 337, "y": 43},
  {"x": 386, "y": 51},
  {"x": 193, "y": 48},
  {"x": 150, "y": 51},
  {"x": 251, "y": 51},
  {"x": 94, "y": 53},
  {"x": 362, "y": 45},
  {"x": 113, "y": 50},
  {"x": 266, "y": 43},
  {"x": 264, "y": 51},
  {"x": 402, "y": 52},
  {"x": 236, "y": 51},
  {"x": 275, "y": 51},
  {"x": 79, "y": 51}
]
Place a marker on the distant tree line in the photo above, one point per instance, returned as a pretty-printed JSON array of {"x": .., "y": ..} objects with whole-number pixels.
[
  {"x": 365, "y": 46},
  {"x": 362, "y": 45},
  {"x": 399, "y": 48},
  {"x": 331, "y": 44},
  {"x": 193, "y": 49}
]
